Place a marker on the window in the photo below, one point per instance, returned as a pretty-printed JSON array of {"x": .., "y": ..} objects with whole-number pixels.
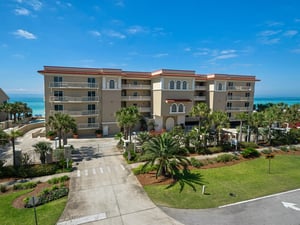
[
  {"x": 248, "y": 84},
  {"x": 91, "y": 122},
  {"x": 135, "y": 82},
  {"x": 174, "y": 108},
  {"x": 91, "y": 108},
  {"x": 57, "y": 81},
  {"x": 135, "y": 94},
  {"x": 58, "y": 95},
  {"x": 91, "y": 81},
  {"x": 229, "y": 95},
  {"x": 172, "y": 84},
  {"x": 184, "y": 85},
  {"x": 220, "y": 87},
  {"x": 178, "y": 85},
  {"x": 247, "y": 95},
  {"x": 58, "y": 107},
  {"x": 91, "y": 95},
  {"x": 180, "y": 108},
  {"x": 230, "y": 84},
  {"x": 111, "y": 84},
  {"x": 229, "y": 115},
  {"x": 229, "y": 105},
  {"x": 247, "y": 104}
]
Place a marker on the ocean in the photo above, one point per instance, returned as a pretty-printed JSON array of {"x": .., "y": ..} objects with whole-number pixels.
[{"x": 37, "y": 104}]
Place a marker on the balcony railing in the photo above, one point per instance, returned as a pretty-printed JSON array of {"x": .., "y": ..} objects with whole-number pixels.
[
  {"x": 238, "y": 88},
  {"x": 136, "y": 98},
  {"x": 199, "y": 98},
  {"x": 73, "y": 99},
  {"x": 240, "y": 109},
  {"x": 73, "y": 85},
  {"x": 144, "y": 109},
  {"x": 77, "y": 113},
  {"x": 239, "y": 98},
  {"x": 136, "y": 86},
  {"x": 82, "y": 126},
  {"x": 200, "y": 88}
]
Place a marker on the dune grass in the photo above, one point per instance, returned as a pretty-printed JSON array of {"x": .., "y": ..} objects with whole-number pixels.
[
  {"x": 47, "y": 214},
  {"x": 231, "y": 184}
]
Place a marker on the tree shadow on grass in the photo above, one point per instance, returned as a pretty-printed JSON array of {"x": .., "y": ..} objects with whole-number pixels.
[{"x": 185, "y": 177}]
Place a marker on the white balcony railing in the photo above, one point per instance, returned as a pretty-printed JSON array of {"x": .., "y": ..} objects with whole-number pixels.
[
  {"x": 239, "y": 98},
  {"x": 73, "y": 85},
  {"x": 136, "y": 98},
  {"x": 136, "y": 86},
  {"x": 240, "y": 109},
  {"x": 77, "y": 113},
  {"x": 238, "y": 88},
  {"x": 200, "y": 88},
  {"x": 73, "y": 99},
  {"x": 82, "y": 126},
  {"x": 199, "y": 98}
]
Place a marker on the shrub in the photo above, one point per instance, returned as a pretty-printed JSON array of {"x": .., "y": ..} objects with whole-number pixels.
[
  {"x": 56, "y": 180},
  {"x": 248, "y": 145},
  {"x": 284, "y": 148},
  {"x": 267, "y": 151},
  {"x": 215, "y": 149},
  {"x": 225, "y": 158},
  {"x": 250, "y": 153},
  {"x": 196, "y": 163},
  {"x": 3, "y": 188},
  {"x": 141, "y": 170},
  {"x": 23, "y": 186}
]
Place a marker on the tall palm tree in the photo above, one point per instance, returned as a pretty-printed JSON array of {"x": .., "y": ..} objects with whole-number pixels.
[
  {"x": 242, "y": 117},
  {"x": 220, "y": 120},
  {"x": 13, "y": 135},
  {"x": 272, "y": 115},
  {"x": 4, "y": 137},
  {"x": 43, "y": 148},
  {"x": 256, "y": 121},
  {"x": 164, "y": 150},
  {"x": 62, "y": 124},
  {"x": 127, "y": 118}
]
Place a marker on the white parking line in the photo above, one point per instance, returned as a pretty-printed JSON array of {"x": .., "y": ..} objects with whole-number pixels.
[
  {"x": 101, "y": 170},
  {"x": 78, "y": 173},
  {"x": 123, "y": 168},
  {"x": 85, "y": 219},
  {"x": 86, "y": 172},
  {"x": 94, "y": 171}
]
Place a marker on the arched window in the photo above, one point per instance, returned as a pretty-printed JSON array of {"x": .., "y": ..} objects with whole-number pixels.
[
  {"x": 171, "y": 84},
  {"x": 178, "y": 84},
  {"x": 180, "y": 108},
  {"x": 111, "y": 84},
  {"x": 220, "y": 87},
  {"x": 184, "y": 85},
  {"x": 174, "y": 108}
]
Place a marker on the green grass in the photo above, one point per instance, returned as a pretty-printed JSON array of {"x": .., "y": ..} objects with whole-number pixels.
[
  {"x": 47, "y": 214},
  {"x": 245, "y": 180}
]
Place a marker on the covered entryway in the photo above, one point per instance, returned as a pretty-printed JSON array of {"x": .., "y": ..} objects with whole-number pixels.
[{"x": 170, "y": 123}]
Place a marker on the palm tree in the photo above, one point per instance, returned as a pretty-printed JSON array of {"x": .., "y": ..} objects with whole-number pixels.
[
  {"x": 201, "y": 111},
  {"x": 6, "y": 107},
  {"x": 43, "y": 148},
  {"x": 164, "y": 150},
  {"x": 4, "y": 137},
  {"x": 62, "y": 124},
  {"x": 220, "y": 120},
  {"x": 127, "y": 118},
  {"x": 242, "y": 117},
  {"x": 272, "y": 115},
  {"x": 13, "y": 135},
  {"x": 255, "y": 121}
]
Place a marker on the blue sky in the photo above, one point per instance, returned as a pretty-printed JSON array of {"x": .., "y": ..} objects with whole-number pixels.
[{"x": 251, "y": 37}]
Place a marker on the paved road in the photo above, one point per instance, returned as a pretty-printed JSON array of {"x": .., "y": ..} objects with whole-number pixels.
[
  {"x": 104, "y": 191},
  {"x": 266, "y": 211}
]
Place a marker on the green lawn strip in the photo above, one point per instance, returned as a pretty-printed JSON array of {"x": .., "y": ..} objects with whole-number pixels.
[
  {"x": 47, "y": 214},
  {"x": 244, "y": 181}
]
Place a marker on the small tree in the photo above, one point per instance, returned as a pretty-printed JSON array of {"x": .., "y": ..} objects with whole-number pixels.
[{"x": 43, "y": 148}]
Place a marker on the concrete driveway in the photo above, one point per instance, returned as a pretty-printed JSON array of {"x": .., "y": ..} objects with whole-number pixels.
[{"x": 104, "y": 191}]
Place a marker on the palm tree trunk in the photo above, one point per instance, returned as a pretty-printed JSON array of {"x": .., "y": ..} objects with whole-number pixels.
[{"x": 14, "y": 151}]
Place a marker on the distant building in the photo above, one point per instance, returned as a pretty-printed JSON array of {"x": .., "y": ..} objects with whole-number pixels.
[
  {"x": 93, "y": 95},
  {"x": 3, "y": 99}
]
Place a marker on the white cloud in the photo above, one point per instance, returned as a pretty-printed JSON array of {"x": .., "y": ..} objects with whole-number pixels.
[
  {"x": 115, "y": 34},
  {"x": 136, "y": 29},
  {"x": 267, "y": 33},
  {"x": 188, "y": 49},
  {"x": 24, "y": 34},
  {"x": 296, "y": 50},
  {"x": 290, "y": 33},
  {"x": 228, "y": 51},
  {"x": 95, "y": 33},
  {"x": 159, "y": 55},
  {"x": 270, "y": 41},
  {"x": 120, "y": 3},
  {"x": 226, "y": 56},
  {"x": 35, "y": 4},
  {"x": 22, "y": 12},
  {"x": 274, "y": 24}
]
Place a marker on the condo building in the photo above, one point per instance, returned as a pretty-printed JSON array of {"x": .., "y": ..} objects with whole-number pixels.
[{"x": 164, "y": 97}]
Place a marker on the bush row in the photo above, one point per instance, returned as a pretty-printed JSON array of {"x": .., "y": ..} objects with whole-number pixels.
[
  {"x": 26, "y": 185},
  {"x": 56, "y": 180}
]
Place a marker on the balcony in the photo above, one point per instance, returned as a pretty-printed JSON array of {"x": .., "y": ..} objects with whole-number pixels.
[
  {"x": 136, "y": 86},
  {"x": 144, "y": 109},
  {"x": 86, "y": 126},
  {"x": 200, "y": 88},
  {"x": 77, "y": 113},
  {"x": 239, "y": 88},
  {"x": 238, "y": 109},
  {"x": 136, "y": 98},
  {"x": 68, "y": 99},
  {"x": 238, "y": 98},
  {"x": 199, "y": 98},
  {"x": 75, "y": 85}
]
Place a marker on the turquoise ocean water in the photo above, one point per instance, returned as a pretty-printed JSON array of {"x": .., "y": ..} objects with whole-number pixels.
[{"x": 36, "y": 101}]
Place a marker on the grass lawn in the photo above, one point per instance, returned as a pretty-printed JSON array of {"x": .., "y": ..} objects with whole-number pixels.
[
  {"x": 47, "y": 214},
  {"x": 245, "y": 180}
]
